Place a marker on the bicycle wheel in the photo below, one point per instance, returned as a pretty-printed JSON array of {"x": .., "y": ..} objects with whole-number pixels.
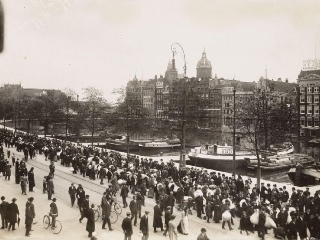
[
  {"x": 46, "y": 221},
  {"x": 57, "y": 229},
  {"x": 117, "y": 208},
  {"x": 113, "y": 217},
  {"x": 96, "y": 215}
]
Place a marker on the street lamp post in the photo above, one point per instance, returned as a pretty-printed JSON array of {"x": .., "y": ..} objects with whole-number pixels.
[
  {"x": 182, "y": 162},
  {"x": 67, "y": 118},
  {"x": 234, "y": 133}
]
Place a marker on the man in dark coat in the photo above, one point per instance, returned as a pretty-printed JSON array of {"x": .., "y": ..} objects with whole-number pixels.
[
  {"x": 31, "y": 180},
  {"x": 29, "y": 218},
  {"x": 13, "y": 214},
  {"x": 127, "y": 227},
  {"x": 85, "y": 208},
  {"x": 53, "y": 212},
  {"x": 81, "y": 195},
  {"x": 72, "y": 193},
  {"x": 144, "y": 226},
  {"x": 301, "y": 226},
  {"x": 102, "y": 174},
  {"x": 124, "y": 194},
  {"x": 4, "y": 212},
  {"x": 171, "y": 201},
  {"x": 157, "y": 220},
  {"x": 261, "y": 223},
  {"x": 291, "y": 228},
  {"x": 167, "y": 216},
  {"x": 106, "y": 212},
  {"x": 90, "y": 223},
  {"x": 134, "y": 209},
  {"x": 50, "y": 187}
]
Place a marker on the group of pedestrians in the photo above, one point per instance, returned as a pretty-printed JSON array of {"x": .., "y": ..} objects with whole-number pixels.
[{"x": 211, "y": 196}]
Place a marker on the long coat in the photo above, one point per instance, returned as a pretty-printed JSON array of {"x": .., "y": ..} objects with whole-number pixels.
[
  {"x": 90, "y": 223},
  {"x": 127, "y": 226},
  {"x": 50, "y": 187},
  {"x": 31, "y": 179},
  {"x": 173, "y": 234},
  {"x": 217, "y": 210},
  {"x": 144, "y": 226},
  {"x": 13, "y": 211},
  {"x": 157, "y": 220},
  {"x": 106, "y": 209},
  {"x": 29, "y": 214}
]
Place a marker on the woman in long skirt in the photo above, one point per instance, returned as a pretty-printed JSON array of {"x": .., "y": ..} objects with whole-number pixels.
[
  {"x": 31, "y": 180},
  {"x": 23, "y": 182},
  {"x": 185, "y": 221}
]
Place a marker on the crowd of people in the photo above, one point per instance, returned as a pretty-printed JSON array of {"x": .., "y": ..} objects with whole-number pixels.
[{"x": 212, "y": 196}]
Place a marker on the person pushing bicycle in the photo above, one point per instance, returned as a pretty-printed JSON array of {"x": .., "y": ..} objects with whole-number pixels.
[{"x": 53, "y": 212}]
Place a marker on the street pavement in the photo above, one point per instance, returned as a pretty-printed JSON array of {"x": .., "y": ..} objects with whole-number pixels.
[{"x": 69, "y": 217}]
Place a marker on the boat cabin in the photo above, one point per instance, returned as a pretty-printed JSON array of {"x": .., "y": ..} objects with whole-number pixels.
[{"x": 215, "y": 149}]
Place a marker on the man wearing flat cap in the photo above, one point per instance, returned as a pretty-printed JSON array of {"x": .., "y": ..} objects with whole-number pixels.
[
  {"x": 13, "y": 214},
  {"x": 203, "y": 235},
  {"x": 144, "y": 226},
  {"x": 85, "y": 208},
  {"x": 127, "y": 227},
  {"x": 53, "y": 212}
]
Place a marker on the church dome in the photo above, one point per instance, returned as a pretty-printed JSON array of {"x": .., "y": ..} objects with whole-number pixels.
[{"x": 204, "y": 62}]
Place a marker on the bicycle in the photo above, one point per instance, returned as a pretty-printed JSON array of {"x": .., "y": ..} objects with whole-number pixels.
[
  {"x": 47, "y": 223},
  {"x": 97, "y": 214}
]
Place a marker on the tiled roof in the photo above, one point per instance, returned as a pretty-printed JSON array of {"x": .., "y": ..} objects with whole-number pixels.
[{"x": 305, "y": 73}]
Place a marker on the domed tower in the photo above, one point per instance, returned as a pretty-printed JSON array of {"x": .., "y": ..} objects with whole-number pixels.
[
  {"x": 171, "y": 72},
  {"x": 204, "y": 68}
]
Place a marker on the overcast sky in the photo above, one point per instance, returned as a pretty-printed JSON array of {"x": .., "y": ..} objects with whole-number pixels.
[{"x": 78, "y": 43}]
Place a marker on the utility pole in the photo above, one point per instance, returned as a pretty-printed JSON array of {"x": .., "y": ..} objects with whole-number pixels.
[{"x": 234, "y": 133}]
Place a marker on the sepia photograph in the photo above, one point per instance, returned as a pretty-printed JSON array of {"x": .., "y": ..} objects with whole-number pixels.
[{"x": 159, "y": 119}]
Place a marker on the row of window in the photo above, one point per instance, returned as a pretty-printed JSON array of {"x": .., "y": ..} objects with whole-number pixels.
[
  {"x": 309, "y": 109},
  {"x": 310, "y": 99},
  {"x": 309, "y": 89},
  {"x": 310, "y": 122}
]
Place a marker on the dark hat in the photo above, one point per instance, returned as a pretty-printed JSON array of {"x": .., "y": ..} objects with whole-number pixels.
[
  {"x": 134, "y": 197},
  {"x": 128, "y": 213},
  {"x": 147, "y": 212},
  {"x": 14, "y": 199},
  {"x": 168, "y": 207},
  {"x": 3, "y": 198},
  {"x": 54, "y": 199},
  {"x": 31, "y": 199},
  {"x": 87, "y": 196},
  {"x": 203, "y": 230},
  {"x": 92, "y": 205},
  {"x": 72, "y": 183}
]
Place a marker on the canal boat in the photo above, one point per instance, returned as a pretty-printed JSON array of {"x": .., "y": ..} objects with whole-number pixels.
[
  {"x": 218, "y": 157},
  {"x": 302, "y": 175}
]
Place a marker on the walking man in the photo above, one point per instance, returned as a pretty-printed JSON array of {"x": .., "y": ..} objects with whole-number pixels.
[
  {"x": 127, "y": 227},
  {"x": 13, "y": 214},
  {"x": 106, "y": 212},
  {"x": 90, "y": 223},
  {"x": 85, "y": 208},
  {"x": 144, "y": 226},
  {"x": 124, "y": 194},
  {"x": 50, "y": 187},
  {"x": 29, "y": 218},
  {"x": 4, "y": 212},
  {"x": 134, "y": 210},
  {"x": 72, "y": 193}
]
